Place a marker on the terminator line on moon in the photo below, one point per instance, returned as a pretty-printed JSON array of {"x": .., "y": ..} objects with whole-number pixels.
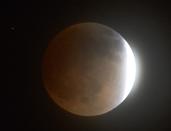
[{"x": 88, "y": 69}]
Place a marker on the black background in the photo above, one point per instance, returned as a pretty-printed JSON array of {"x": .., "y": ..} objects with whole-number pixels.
[{"x": 146, "y": 27}]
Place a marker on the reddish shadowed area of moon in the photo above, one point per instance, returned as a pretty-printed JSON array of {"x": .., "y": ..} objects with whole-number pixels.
[{"x": 83, "y": 69}]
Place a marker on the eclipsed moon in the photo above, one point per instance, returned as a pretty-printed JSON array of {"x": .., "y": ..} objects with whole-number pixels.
[{"x": 88, "y": 69}]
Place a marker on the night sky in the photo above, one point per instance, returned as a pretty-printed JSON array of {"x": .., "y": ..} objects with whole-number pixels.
[{"x": 145, "y": 26}]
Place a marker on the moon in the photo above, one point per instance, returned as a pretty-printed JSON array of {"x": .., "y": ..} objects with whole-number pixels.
[{"x": 88, "y": 69}]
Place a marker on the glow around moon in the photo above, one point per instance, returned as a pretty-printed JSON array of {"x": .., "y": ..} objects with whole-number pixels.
[{"x": 88, "y": 69}]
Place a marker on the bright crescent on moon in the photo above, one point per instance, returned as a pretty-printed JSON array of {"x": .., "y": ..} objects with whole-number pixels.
[{"x": 130, "y": 72}]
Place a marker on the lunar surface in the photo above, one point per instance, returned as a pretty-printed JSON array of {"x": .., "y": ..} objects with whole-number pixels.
[{"x": 88, "y": 69}]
